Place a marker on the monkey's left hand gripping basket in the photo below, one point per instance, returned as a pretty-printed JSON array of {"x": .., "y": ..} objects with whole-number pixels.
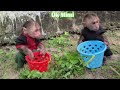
[{"x": 40, "y": 62}]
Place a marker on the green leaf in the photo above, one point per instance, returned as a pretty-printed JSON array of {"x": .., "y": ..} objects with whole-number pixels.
[
  {"x": 37, "y": 74},
  {"x": 63, "y": 65},
  {"x": 65, "y": 54},
  {"x": 26, "y": 72},
  {"x": 66, "y": 33},
  {"x": 67, "y": 74},
  {"x": 1, "y": 51},
  {"x": 74, "y": 61},
  {"x": 59, "y": 62},
  {"x": 33, "y": 73},
  {"x": 67, "y": 64},
  {"x": 56, "y": 56},
  {"x": 58, "y": 50},
  {"x": 70, "y": 66}
]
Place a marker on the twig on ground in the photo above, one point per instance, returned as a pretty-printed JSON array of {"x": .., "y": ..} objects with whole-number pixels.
[{"x": 114, "y": 70}]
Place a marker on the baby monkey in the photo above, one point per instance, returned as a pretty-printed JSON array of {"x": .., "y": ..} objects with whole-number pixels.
[
  {"x": 93, "y": 31},
  {"x": 28, "y": 42}
]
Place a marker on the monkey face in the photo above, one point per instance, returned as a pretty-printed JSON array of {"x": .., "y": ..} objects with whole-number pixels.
[
  {"x": 92, "y": 24},
  {"x": 34, "y": 31}
]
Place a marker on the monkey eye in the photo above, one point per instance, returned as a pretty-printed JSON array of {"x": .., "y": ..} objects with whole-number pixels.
[
  {"x": 37, "y": 30},
  {"x": 95, "y": 22}
]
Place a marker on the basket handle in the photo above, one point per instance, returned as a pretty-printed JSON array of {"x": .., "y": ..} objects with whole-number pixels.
[{"x": 86, "y": 63}]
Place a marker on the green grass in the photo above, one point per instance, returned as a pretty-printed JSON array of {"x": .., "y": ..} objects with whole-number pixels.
[
  {"x": 115, "y": 48},
  {"x": 7, "y": 62},
  {"x": 62, "y": 40},
  {"x": 68, "y": 66}
]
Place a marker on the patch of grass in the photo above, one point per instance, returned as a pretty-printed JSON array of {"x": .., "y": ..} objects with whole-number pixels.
[
  {"x": 111, "y": 33},
  {"x": 26, "y": 74},
  {"x": 62, "y": 40},
  {"x": 7, "y": 62},
  {"x": 93, "y": 70},
  {"x": 115, "y": 49},
  {"x": 115, "y": 46},
  {"x": 109, "y": 73},
  {"x": 68, "y": 66},
  {"x": 116, "y": 65}
]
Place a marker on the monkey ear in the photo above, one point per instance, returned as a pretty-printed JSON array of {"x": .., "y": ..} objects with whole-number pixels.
[
  {"x": 83, "y": 23},
  {"x": 24, "y": 29}
]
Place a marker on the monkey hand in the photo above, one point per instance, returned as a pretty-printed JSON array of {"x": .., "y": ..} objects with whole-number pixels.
[
  {"x": 30, "y": 54},
  {"x": 106, "y": 43},
  {"x": 79, "y": 42},
  {"x": 26, "y": 51},
  {"x": 42, "y": 50}
]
